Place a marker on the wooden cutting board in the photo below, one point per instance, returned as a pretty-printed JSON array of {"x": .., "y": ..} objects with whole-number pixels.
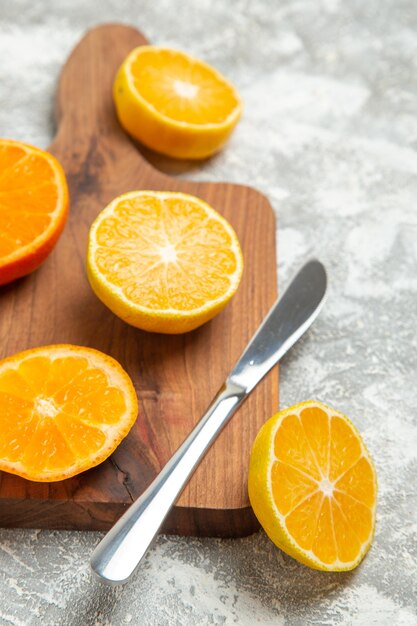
[{"x": 175, "y": 376}]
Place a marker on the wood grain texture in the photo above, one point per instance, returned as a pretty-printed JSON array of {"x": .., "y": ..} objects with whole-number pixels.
[{"x": 175, "y": 376}]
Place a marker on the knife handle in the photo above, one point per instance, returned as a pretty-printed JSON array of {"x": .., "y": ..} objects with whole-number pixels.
[{"x": 119, "y": 553}]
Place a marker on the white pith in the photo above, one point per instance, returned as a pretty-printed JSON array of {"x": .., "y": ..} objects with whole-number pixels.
[
  {"x": 326, "y": 487},
  {"x": 168, "y": 253},
  {"x": 46, "y": 407},
  {"x": 185, "y": 89}
]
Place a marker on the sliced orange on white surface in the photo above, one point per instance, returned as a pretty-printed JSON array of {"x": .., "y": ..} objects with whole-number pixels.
[{"x": 312, "y": 486}]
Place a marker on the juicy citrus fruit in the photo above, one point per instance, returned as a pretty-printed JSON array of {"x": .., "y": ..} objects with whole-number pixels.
[
  {"x": 63, "y": 409},
  {"x": 312, "y": 486},
  {"x": 33, "y": 207},
  {"x": 163, "y": 261},
  {"x": 175, "y": 104}
]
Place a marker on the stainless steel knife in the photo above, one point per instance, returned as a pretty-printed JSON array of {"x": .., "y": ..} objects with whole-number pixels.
[{"x": 118, "y": 555}]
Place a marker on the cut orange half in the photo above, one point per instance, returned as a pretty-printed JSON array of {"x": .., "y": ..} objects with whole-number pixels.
[
  {"x": 163, "y": 261},
  {"x": 33, "y": 207},
  {"x": 63, "y": 410},
  {"x": 312, "y": 486},
  {"x": 174, "y": 103}
]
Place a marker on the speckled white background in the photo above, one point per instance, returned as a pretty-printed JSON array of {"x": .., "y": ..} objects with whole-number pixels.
[{"x": 330, "y": 135}]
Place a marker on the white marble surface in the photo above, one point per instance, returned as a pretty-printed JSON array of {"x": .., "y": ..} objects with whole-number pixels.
[{"x": 330, "y": 135}]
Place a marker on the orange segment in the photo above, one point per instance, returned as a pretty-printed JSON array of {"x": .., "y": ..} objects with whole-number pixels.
[
  {"x": 163, "y": 261},
  {"x": 46, "y": 453},
  {"x": 358, "y": 515},
  {"x": 33, "y": 207},
  {"x": 80, "y": 438},
  {"x": 174, "y": 103},
  {"x": 13, "y": 384},
  {"x": 345, "y": 448},
  {"x": 316, "y": 425},
  {"x": 348, "y": 544},
  {"x": 312, "y": 486},
  {"x": 291, "y": 446},
  {"x": 359, "y": 482},
  {"x": 301, "y": 522},
  {"x": 290, "y": 486},
  {"x": 324, "y": 545},
  {"x": 105, "y": 410},
  {"x": 13, "y": 431},
  {"x": 63, "y": 410}
]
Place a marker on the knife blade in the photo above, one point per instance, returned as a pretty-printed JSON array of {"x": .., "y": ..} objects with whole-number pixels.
[{"x": 120, "y": 552}]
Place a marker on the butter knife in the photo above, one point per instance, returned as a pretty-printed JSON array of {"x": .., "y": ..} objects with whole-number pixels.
[{"x": 119, "y": 553}]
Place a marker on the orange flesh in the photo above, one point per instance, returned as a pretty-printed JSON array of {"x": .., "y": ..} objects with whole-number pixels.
[
  {"x": 181, "y": 88},
  {"x": 165, "y": 253},
  {"x": 323, "y": 485},
  {"x": 28, "y": 197},
  {"x": 55, "y": 412}
]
